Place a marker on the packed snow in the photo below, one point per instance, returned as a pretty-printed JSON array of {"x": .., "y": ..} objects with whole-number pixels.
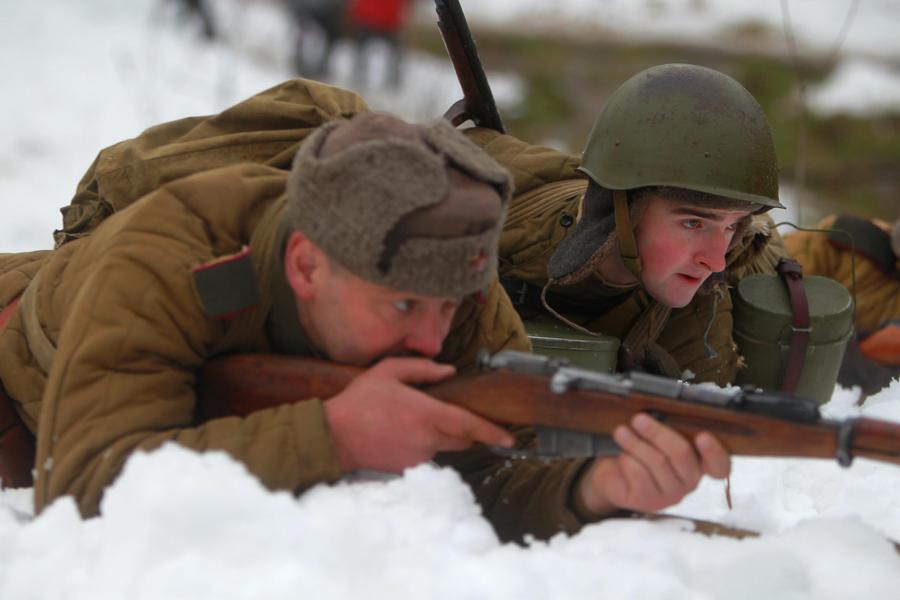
[
  {"x": 79, "y": 76},
  {"x": 858, "y": 88},
  {"x": 816, "y": 26}
]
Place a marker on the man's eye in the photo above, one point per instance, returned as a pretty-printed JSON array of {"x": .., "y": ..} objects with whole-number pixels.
[
  {"x": 691, "y": 223},
  {"x": 403, "y": 305},
  {"x": 734, "y": 226}
]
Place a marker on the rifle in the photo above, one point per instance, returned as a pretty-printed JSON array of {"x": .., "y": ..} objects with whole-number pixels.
[
  {"x": 574, "y": 410},
  {"x": 477, "y": 103}
]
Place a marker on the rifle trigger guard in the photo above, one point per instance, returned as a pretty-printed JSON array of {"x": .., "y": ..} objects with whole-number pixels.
[
  {"x": 559, "y": 444},
  {"x": 555, "y": 443},
  {"x": 845, "y": 442}
]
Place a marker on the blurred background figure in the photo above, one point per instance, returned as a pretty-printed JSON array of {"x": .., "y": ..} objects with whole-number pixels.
[
  {"x": 373, "y": 21},
  {"x": 863, "y": 255},
  {"x": 200, "y": 10},
  {"x": 319, "y": 24}
]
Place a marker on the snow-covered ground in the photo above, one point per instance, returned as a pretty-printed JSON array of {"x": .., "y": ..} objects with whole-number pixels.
[
  {"x": 81, "y": 75},
  {"x": 815, "y": 25}
]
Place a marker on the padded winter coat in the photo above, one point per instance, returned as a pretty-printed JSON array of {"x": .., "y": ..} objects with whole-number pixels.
[
  {"x": 128, "y": 328},
  {"x": 877, "y": 285},
  {"x": 548, "y": 189}
]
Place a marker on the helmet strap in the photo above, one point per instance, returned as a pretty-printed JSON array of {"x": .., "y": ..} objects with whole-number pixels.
[{"x": 628, "y": 248}]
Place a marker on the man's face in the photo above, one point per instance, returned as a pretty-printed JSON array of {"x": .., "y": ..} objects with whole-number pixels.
[
  {"x": 680, "y": 245},
  {"x": 356, "y": 322}
]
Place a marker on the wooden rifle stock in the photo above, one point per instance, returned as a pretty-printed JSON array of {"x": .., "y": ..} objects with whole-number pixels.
[
  {"x": 478, "y": 103},
  {"x": 760, "y": 425}
]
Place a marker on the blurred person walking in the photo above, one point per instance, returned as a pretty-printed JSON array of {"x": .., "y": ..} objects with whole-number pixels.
[
  {"x": 373, "y": 21},
  {"x": 320, "y": 22},
  {"x": 199, "y": 9}
]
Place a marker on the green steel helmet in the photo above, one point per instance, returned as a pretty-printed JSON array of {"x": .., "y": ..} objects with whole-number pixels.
[{"x": 688, "y": 127}]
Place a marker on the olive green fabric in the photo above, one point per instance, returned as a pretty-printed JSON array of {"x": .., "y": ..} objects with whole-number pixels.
[
  {"x": 697, "y": 336},
  {"x": 877, "y": 294},
  {"x": 227, "y": 286},
  {"x": 130, "y": 332},
  {"x": 266, "y": 128}
]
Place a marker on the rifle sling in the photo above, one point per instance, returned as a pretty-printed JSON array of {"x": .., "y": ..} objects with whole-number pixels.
[
  {"x": 866, "y": 239},
  {"x": 791, "y": 272}
]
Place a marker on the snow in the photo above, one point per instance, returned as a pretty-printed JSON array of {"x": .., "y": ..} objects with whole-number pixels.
[
  {"x": 178, "y": 524},
  {"x": 858, "y": 88},
  {"x": 770, "y": 495},
  {"x": 79, "y": 76},
  {"x": 816, "y": 25}
]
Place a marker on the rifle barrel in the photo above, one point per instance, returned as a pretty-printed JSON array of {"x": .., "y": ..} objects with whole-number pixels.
[
  {"x": 478, "y": 100},
  {"x": 240, "y": 384}
]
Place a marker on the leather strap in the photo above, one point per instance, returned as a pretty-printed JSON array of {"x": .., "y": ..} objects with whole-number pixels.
[
  {"x": 628, "y": 247},
  {"x": 16, "y": 441},
  {"x": 866, "y": 239},
  {"x": 791, "y": 273}
]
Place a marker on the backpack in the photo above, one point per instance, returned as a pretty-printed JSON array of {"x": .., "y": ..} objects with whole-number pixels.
[{"x": 266, "y": 128}]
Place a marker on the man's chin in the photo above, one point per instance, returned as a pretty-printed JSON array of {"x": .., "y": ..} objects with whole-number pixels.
[{"x": 674, "y": 298}]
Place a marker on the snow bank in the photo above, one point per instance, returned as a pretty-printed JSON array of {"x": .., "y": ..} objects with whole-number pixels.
[{"x": 183, "y": 525}]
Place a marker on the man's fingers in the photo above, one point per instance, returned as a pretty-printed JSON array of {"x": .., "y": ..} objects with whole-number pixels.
[
  {"x": 459, "y": 423},
  {"x": 640, "y": 483},
  {"x": 414, "y": 370},
  {"x": 715, "y": 459},
  {"x": 653, "y": 461},
  {"x": 679, "y": 452}
]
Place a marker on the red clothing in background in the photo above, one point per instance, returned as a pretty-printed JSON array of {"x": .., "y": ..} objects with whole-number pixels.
[{"x": 379, "y": 15}]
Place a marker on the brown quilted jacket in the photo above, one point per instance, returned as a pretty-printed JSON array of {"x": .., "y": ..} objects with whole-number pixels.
[{"x": 123, "y": 312}]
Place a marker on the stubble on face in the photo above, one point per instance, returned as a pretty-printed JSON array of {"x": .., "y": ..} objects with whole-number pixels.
[{"x": 353, "y": 321}]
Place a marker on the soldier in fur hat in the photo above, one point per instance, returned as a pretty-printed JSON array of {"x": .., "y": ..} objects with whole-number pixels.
[{"x": 378, "y": 249}]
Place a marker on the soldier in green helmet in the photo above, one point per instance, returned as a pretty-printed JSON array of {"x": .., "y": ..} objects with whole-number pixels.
[
  {"x": 672, "y": 135},
  {"x": 679, "y": 168}
]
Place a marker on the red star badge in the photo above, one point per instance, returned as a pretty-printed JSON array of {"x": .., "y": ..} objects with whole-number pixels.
[{"x": 480, "y": 261}]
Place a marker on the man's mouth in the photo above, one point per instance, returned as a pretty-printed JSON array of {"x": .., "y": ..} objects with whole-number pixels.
[{"x": 691, "y": 278}]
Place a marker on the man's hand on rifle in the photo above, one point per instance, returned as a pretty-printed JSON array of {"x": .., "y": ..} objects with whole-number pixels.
[
  {"x": 381, "y": 422},
  {"x": 656, "y": 469}
]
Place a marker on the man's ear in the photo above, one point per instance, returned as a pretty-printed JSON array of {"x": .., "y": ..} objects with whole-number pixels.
[{"x": 303, "y": 262}]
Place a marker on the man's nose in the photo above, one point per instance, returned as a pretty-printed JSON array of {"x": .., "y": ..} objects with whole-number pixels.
[
  {"x": 426, "y": 335},
  {"x": 712, "y": 253}
]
